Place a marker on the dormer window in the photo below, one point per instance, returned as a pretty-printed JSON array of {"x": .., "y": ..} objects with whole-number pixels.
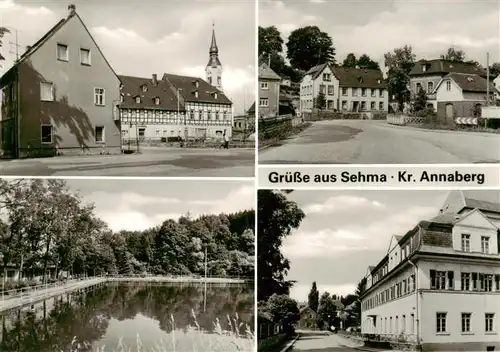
[
  {"x": 470, "y": 79},
  {"x": 378, "y": 81},
  {"x": 424, "y": 68},
  {"x": 360, "y": 79},
  {"x": 197, "y": 84},
  {"x": 121, "y": 86},
  {"x": 215, "y": 95},
  {"x": 137, "y": 100},
  {"x": 121, "y": 98},
  {"x": 157, "y": 101},
  {"x": 196, "y": 93},
  {"x": 144, "y": 88}
]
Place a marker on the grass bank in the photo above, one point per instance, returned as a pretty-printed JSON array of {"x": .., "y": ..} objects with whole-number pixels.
[{"x": 280, "y": 137}]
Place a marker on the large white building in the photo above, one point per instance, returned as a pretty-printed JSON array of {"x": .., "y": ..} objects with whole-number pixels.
[
  {"x": 345, "y": 89},
  {"x": 438, "y": 286}
]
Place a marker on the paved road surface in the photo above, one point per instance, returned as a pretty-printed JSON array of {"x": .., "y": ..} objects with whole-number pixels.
[
  {"x": 376, "y": 142},
  {"x": 323, "y": 342},
  {"x": 153, "y": 161}
]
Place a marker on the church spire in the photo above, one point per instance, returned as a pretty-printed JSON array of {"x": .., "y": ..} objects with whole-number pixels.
[{"x": 213, "y": 47}]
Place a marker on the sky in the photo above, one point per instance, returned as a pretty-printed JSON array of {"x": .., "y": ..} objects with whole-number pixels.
[
  {"x": 141, "y": 204},
  {"x": 344, "y": 232},
  {"x": 375, "y": 27},
  {"x": 166, "y": 36}
]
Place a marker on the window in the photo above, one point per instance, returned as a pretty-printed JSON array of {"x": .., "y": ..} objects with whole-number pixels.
[
  {"x": 264, "y": 85},
  {"x": 322, "y": 88},
  {"x": 191, "y": 115},
  {"x": 354, "y": 92},
  {"x": 381, "y": 93},
  {"x": 85, "y": 57},
  {"x": 142, "y": 132},
  {"x": 448, "y": 85},
  {"x": 219, "y": 81},
  {"x": 344, "y": 104},
  {"x": 487, "y": 284},
  {"x": 121, "y": 98},
  {"x": 466, "y": 322},
  {"x": 485, "y": 244},
  {"x": 209, "y": 80},
  {"x": 344, "y": 91},
  {"x": 215, "y": 95},
  {"x": 465, "y": 280},
  {"x": 430, "y": 87},
  {"x": 363, "y": 105},
  {"x": 451, "y": 281},
  {"x": 197, "y": 84},
  {"x": 488, "y": 322},
  {"x": 46, "y": 91},
  {"x": 497, "y": 282},
  {"x": 99, "y": 134},
  {"x": 465, "y": 243},
  {"x": 372, "y": 105},
  {"x": 327, "y": 77},
  {"x": 216, "y": 115},
  {"x": 264, "y": 102},
  {"x": 157, "y": 101},
  {"x": 403, "y": 324},
  {"x": 381, "y": 105},
  {"x": 157, "y": 133},
  {"x": 99, "y": 96},
  {"x": 441, "y": 322},
  {"x": 196, "y": 93},
  {"x": 137, "y": 100},
  {"x": 331, "y": 89},
  {"x": 412, "y": 324},
  {"x": 144, "y": 88},
  {"x": 47, "y": 131},
  {"x": 62, "y": 52},
  {"x": 374, "y": 92},
  {"x": 418, "y": 87},
  {"x": 363, "y": 92}
]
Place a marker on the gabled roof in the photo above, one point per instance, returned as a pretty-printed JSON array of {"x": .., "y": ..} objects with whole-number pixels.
[
  {"x": 265, "y": 72},
  {"x": 468, "y": 82},
  {"x": 476, "y": 211},
  {"x": 206, "y": 92},
  {"x": 442, "y": 67},
  {"x": 457, "y": 200},
  {"x": 316, "y": 71},
  {"x": 33, "y": 48},
  {"x": 132, "y": 88},
  {"x": 359, "y": 78}
]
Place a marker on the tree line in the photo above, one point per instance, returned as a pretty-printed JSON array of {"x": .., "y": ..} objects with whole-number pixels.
[
  {"x": 309, "y": 46},
  {"x": 47, "y": 226}
]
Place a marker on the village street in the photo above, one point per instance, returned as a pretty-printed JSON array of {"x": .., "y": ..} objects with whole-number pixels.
[
  {"x": 376, "y": 142},
  {"x": 320, "y": 341},
  {"x": 152, "y": 161}
]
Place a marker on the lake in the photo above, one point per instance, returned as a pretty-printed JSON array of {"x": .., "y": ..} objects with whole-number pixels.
[{"x": 135, "y": 317}]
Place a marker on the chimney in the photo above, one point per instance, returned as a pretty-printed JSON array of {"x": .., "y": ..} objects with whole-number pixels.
[
  {"x": 155, "y": 79},
  {"x": 71, "y": 10}
]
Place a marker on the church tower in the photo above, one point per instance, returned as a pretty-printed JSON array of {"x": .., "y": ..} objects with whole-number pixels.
[{"x": 214, "y": 67}]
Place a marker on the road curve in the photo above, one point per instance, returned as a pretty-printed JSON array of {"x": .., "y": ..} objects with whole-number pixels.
[{"x": 376, "y": 142}]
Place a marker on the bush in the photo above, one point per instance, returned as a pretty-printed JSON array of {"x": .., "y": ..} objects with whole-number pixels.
[
  {"x": 174, "y": 139},
  {"x": 494, "y": 123},
  {"x": 379, "y": 116}
]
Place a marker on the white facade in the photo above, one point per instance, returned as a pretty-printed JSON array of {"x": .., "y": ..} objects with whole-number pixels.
[
  {"x": 448, "y": 90},
  {"x": 451, "y": 298},
  {"x": 310, "y": 88}
]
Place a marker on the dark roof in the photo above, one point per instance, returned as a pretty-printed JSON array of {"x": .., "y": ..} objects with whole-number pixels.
[
  {"x": 473, "y": 201},
  {"x": 316, "y": 70},
  {"x": 445, "y": 218},
  {"x": 359, "y": 77},
  {"x": 132, "y": 87},
  {"x": 439, "y": 66},
  {"x": 214, "y": 52},
  {"x": 206, "y": 92},
  {"x": 265, "y": 72},
  {"x": 470, "y": 82}
]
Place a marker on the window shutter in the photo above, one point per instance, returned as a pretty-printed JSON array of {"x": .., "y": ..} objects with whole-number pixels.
[
  {"x": 433, "y": 278},
  {"x": 481, "y": 282},
  {"x": 451, "y": 283},
  {"x": 474, "y": 281}
]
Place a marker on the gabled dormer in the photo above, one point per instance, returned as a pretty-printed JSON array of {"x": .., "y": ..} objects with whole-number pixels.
[
  {"x": 144, "y": 88},
  {"x": 122, "y": 97},
  {"x": 196, "y": 94},
  {"x": 137, "y": 99},
  {"x": 475, "y": 233},
  {"x": 196, "y": 83},
  {"x": 156, "y": 100}
]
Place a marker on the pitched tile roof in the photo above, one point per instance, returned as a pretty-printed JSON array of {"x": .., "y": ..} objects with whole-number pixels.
[
  {"x": 132, "y": 87},
  {"x": 315, "y": 71},
  {"x": 359, "y": 78},
  {"x": 265, "y": 72},
  {"x": 488, "y": 201},
  {"x": 206, "y": 92},
  {"x": 439, "y": 66},
  {"x": 470, "y": 82}
]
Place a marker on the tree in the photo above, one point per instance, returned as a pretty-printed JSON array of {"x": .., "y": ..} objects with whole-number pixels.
[
  {"x": 320, "y": 101},
  {"x": 3, "y": 30},
  {"x": 276, "y": 218},
  {"x": 283, "y": 310},
  {"x": 420, "y": 101},
  {"x": 350, "y": 61},
  {"x": 399, "y": 62},
  {"x": 365, "y": 62},
  {"x": 453, "y": 54},
  {"x": 327, "y": 309},
  {"x": 360, "y": 289},
  {"x": 495, "y": 69},
  {"x": 270, "y": 41},
  {"x": 313, "y": 298},
  {"x": 309, "y": 46}
]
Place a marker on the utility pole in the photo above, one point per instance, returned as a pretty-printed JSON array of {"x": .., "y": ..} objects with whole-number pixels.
[
  {"x": 205, "y": 291},
  {"x": 16, "y": 45},
  {"x": 487, "y": 79}
]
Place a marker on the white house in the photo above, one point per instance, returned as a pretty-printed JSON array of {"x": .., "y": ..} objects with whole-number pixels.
[
  {"x": 438, "y": 286},
  {"x": 460, "y": 94},
  {"x": 319, "y": 78}
]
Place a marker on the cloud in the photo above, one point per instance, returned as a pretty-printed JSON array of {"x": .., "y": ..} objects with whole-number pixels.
[
  {"x": 341, "y": 203},
  {"x": 317, "y": 1},
  {"x": 354, "y": 238}
]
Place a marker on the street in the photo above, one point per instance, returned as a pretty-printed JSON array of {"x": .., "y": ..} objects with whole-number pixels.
[
  {"x": 152, "y": 161},
  {"x": 320, "y": 341},
  {"x": 376, "y": 142}
]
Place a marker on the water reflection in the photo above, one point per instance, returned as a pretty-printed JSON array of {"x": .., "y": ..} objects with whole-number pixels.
[{"x": 142, "y": 316}]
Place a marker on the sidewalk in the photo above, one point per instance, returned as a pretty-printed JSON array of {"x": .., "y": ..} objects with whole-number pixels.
[{"x": 32, "y": 297}]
